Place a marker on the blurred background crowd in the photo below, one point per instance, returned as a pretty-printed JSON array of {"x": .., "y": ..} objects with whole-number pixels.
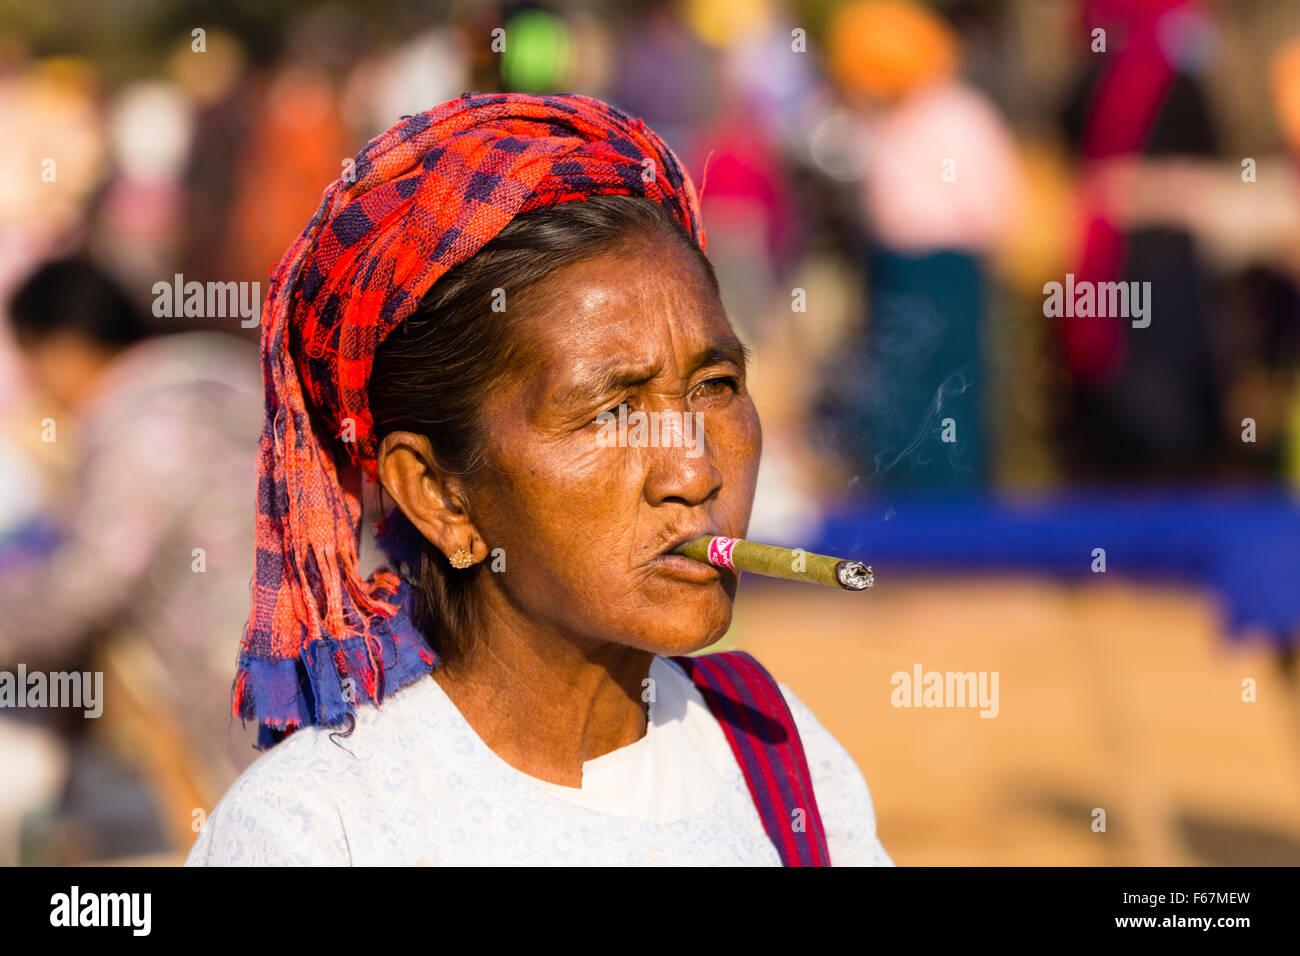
[{"x": 886, "y": 186}]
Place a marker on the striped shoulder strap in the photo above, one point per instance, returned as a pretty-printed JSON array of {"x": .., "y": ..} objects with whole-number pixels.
[{"x": 747, "y": 703}]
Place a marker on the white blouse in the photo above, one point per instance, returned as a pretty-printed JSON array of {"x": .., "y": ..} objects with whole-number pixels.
[{"x": 417, "y": 786}]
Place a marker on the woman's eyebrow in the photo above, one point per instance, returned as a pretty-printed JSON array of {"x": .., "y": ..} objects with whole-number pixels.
[
  {"x": 729, "y": 350},
  {"x": 609, "y": 376}
]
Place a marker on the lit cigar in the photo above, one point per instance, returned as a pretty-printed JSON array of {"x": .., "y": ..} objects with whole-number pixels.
[{"x": 775, "y": 562}]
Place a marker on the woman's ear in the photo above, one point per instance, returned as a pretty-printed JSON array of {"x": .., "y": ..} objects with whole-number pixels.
[{"x": 432, "y": 500}]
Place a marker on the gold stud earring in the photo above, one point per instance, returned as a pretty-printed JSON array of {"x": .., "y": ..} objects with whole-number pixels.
[{"x": 462, "y": 558}]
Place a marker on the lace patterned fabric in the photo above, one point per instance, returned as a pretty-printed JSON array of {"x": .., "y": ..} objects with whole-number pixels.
[{"x": 417, "y": 786}]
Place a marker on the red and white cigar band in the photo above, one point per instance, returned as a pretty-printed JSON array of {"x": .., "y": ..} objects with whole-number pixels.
[{"x": 720, "y": 551}]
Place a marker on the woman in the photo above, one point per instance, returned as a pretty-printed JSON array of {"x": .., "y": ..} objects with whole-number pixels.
[
  {"x": 456, "y": 322},
  {"x": 939, "y": 187}
]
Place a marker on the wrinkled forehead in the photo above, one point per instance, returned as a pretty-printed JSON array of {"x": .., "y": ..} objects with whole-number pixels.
[{"x": 644, "y": 303}]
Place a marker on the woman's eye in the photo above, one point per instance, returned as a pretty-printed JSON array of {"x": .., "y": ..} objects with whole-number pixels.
[
  {"x": 726, "y": 382},
  {"x": 608, "y": 415}
]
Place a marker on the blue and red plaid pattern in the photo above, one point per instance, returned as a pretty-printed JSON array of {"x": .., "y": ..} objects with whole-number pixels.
[
  {"x": 748, "y": 704},
  {"x": 418, "y": 200}
]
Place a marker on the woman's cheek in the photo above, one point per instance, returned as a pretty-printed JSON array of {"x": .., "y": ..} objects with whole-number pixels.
[
  {"x": 580, "y": 487},
  {"x": 736, "y": 441}
]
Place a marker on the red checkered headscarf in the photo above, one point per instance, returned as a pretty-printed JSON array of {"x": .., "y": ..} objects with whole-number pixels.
[{"x": 418, "y": 200}]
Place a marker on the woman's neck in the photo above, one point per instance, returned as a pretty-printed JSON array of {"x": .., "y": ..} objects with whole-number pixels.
[{"x": 545, "y": 703}]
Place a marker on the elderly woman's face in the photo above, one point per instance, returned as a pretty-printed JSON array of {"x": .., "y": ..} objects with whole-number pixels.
[{"x": 585, "y": 504}]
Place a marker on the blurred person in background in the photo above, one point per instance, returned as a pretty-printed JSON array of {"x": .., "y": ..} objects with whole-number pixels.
[
  {"x": 146, "y": 559},
  {"x": 1146, "y": 402},
  {"x": 1285, "y": 283},
  {"x": 665, "y": 73},
  {"x": 295, "y": 139},
  {"x": 939, "y": 186}
]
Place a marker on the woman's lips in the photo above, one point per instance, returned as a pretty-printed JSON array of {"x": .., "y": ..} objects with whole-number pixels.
[{"x": 686, "y": 569}]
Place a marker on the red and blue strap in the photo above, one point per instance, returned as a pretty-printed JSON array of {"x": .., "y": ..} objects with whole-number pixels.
[{"x": 746, "y": 701}]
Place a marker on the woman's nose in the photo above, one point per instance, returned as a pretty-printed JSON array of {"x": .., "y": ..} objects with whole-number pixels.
[{"x": 682, "y": 468}]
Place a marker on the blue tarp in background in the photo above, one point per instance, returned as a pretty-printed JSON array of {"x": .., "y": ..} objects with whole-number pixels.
[{"x": 1244, "y": 546}]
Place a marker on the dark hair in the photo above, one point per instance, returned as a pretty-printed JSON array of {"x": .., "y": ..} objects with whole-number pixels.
[
  {"x": 432, "y": 374},
  {"x": 75, "y": 295}
]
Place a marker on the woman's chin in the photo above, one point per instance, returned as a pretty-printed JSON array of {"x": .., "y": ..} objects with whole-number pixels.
[{"x": 677, "y": 633}]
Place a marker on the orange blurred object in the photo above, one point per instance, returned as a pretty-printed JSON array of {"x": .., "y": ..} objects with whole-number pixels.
[
  {"x": 1286, "y": 91},
  {"x": 887, "y": 48},
  {"x": 298, "y": 147}
]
